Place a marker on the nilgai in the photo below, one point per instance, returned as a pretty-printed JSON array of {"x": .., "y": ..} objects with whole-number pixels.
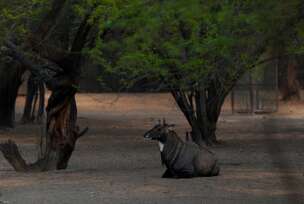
[{"x": 182, "y": 159}]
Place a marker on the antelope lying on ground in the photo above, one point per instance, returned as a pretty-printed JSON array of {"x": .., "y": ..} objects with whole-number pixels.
[{"x": 182, "y": 159}]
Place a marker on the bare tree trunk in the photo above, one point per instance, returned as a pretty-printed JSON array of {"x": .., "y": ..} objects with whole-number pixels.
[
  {"x": 202, "y": 109},
  {"x": 30, "y": 95},
  {"x": 40, "y": 111},
  {"x": 288, "y": 79},
  {"x": 61, "y": 136},
  {"x": 35, "y": 92},
  {"x": 10, "y": 80},
  {"x": 61, "y": 129}
]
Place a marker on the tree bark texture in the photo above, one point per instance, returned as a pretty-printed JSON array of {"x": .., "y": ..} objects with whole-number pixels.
[
  {"x": 62, "y": 131},
  {"x": 202, "y": 108}
]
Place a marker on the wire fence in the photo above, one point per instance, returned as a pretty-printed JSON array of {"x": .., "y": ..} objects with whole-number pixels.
[{"x": 257, "y": 92}]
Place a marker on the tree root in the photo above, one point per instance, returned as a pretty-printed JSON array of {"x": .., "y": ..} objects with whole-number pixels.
[{"x": 52, "y": 160}]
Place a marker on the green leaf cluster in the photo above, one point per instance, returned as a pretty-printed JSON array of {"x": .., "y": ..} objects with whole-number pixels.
[{"x": 195, "y": 42}]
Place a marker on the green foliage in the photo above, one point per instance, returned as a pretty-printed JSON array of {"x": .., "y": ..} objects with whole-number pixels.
[
  {"x": 194, "y": 42},
  {"x": 183, "y": 43},
  {"x": 17, "y": 17}
]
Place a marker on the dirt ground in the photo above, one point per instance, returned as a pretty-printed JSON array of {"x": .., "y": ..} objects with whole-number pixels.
[{"x": 261, "y": 158}]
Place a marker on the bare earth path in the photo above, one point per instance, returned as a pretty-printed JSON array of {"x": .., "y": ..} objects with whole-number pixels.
[{"x": 261, "y": 157}]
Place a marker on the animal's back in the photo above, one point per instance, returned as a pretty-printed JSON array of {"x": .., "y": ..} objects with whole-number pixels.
[
  {"x": 187, "y": 159},
  {"x": 187, "y": 155}
]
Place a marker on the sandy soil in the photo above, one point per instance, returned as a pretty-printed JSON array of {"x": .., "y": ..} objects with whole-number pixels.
[{"x": 261, "y": 158}]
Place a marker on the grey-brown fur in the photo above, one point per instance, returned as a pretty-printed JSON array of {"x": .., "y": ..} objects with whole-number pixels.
[
  {"x": 183, "y": 159},
  {"x": 186, "y": 159}
]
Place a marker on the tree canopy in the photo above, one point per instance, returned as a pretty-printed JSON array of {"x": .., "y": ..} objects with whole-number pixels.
[
  {"x": 197, "y": 40},
  {"x": 198, "y": 49}
]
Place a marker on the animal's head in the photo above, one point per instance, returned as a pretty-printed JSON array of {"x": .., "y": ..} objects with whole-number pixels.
[{"x": 159, "y": 132}]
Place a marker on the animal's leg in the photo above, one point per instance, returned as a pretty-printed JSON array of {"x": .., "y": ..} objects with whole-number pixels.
[{"x": 167, "y": 174}]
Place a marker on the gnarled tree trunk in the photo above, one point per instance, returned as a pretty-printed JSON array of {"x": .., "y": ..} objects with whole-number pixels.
[
  {"x": 61, "y": 135},
  {"x": 62, "y": 79},
  {"x": 61, "y": 129},
  {"x": 202, "y": 108},
  {"x": 289, "y": 84}
]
